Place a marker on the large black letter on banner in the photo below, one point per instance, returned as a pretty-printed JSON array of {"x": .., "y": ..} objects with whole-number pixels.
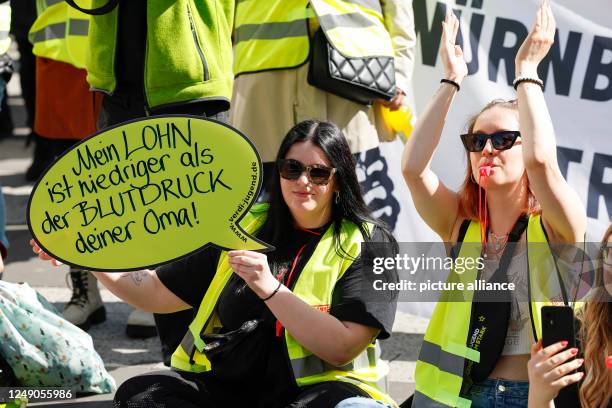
[
  {"x": 499, "y": 52},
  {"x": 596, "y": 68},
  {"x": 430, "y": 39},
  {"x": 563, "y": 66},
  {"x": 565, "y": 155},
  {"x": 475, "y": 32},
  {"x": 597, "y": 187}
]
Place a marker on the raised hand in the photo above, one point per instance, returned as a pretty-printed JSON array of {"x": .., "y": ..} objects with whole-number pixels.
[
  {"x": 538, "y": 42},
  {"x": 455, "y": 67}
]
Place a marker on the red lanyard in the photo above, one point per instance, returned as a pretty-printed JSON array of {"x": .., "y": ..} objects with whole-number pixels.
[
  {"x": 279, "y": 326},
  {"x": 483, "y": 175}
]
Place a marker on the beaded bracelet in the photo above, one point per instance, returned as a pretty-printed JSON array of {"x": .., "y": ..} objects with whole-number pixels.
[
  {"x": 520, "y": 80},
  {"x": 450, "y": 81}
]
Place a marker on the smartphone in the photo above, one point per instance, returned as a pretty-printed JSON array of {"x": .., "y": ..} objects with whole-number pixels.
[{"x": 558, "y": 325}]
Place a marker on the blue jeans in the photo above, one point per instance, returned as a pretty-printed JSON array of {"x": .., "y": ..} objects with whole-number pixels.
[
  {"x": 361, "y": 402},
  {"x": 493, "y": 393}
]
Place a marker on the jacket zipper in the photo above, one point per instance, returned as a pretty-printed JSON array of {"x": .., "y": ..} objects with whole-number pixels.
[
  {"x": 146, "y": 107},
  {"x": 197, "y": 43}
]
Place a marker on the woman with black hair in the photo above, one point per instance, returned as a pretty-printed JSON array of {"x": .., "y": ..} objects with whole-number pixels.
[{"x": 295, "y": 327}]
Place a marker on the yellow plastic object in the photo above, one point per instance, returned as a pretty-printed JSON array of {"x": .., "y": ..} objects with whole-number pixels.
[
  {"x": 398, "y": 122},
  {"x": 147, "y": 192}
]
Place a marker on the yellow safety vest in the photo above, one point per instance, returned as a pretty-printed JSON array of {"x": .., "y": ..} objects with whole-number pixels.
[
  {"x": 274, "y": 35},
  {"x": 60, "y": 32},
  {"x": 314, "y": 286},
  {"x": 5, "y": 26},
  {"x": 440, "y": 366}
]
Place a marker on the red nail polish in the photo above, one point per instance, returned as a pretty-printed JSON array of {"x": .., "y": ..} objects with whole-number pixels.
[
  {"x": 574, "y": 351},
  {"x": 609, "y": 361},
  {"x": 564, "y": 343}
]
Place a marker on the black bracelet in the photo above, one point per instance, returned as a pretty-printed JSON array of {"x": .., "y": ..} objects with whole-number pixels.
[
  {"x": 450, "y": 81},
  {"x": 520, "y": 80},
  {"x": 275, "y": 290}
]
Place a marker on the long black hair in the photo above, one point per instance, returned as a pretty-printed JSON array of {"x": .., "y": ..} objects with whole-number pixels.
[{"x": 349, "y": 204}]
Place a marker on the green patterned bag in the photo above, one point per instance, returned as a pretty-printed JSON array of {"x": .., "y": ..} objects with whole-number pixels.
[{"x": 45, "y": 350}]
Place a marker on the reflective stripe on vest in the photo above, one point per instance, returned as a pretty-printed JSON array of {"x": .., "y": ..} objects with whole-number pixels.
[
  {"x": 272, "y": 36},
  {"x": 439, "y": 368},
  {"x": 276, "y": 36},
  {"x": 366, "y": 371},
  {"x": 354, "y": 30},
  {"x": 312, "y": 365},
  {"x": 5, "y": 25},
  {"x": 60, "y": 33}
]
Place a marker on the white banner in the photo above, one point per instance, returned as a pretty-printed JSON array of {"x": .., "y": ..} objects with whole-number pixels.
[{"x": 578, "y": 78}]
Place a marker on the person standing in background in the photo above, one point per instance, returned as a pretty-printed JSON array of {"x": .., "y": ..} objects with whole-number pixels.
[
  {"x": 272, "y": 47},
  {"x": 162, "y": 57},
  {"x": 24, "y": 14},
  {"x": 59, "y": 37},
  {"x": 5, "y": 42}
]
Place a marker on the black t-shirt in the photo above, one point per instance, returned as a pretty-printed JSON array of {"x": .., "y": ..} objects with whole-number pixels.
[{"x": 259, "y": 358}]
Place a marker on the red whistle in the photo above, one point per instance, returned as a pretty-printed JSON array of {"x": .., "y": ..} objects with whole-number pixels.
[
  {"x": 485, "y": 170},
  {"x": 609, "y": 361}
]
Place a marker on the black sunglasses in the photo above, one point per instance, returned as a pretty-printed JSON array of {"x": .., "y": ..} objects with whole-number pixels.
[
  {"x": 291, "y": 169},
  {"x": 504, "y": 140}
]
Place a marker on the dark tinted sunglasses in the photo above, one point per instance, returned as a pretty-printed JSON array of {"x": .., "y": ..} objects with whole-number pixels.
[
  {"x": 292, "y": 170},
  {"x": 475, "y": 142}
]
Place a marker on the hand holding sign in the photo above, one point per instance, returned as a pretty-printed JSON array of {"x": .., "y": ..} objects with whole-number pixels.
[{"x": 147, "y": 192}]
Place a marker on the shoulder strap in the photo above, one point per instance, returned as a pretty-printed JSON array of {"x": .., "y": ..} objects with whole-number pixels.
[
  {"x": 105, "y": 9},
  {"x": 518, "y": 228},
  {"x": 463, "y": 230}
]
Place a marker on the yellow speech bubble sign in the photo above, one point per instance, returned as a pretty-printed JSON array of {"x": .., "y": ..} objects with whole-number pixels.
[{"x": 147, "y": 192}]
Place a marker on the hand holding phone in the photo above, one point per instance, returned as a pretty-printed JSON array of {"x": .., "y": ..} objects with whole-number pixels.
[{"x": 558, "y": 334}]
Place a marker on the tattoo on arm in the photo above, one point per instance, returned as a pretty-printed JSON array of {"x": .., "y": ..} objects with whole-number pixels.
[{"x": 137, "y": 277}]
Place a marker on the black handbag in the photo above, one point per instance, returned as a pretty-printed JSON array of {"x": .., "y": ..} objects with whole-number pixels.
[
  {"x": 222, "y": 347},
  {"x": 361, "y": 80}
]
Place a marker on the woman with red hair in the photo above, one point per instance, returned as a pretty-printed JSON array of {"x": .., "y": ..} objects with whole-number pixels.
[{"x": 513, "y": 193}]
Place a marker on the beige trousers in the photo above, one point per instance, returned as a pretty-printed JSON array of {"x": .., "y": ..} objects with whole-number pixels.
[{"x": 266, "y": 105}]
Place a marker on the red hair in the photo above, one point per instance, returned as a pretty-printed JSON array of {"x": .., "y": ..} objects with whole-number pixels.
[
  {"x": 468, "y": 192},
  {"x": 596, "y": 338}
]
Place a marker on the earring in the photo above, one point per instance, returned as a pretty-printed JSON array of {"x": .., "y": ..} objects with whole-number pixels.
[{"x": 337, "y": 197}]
